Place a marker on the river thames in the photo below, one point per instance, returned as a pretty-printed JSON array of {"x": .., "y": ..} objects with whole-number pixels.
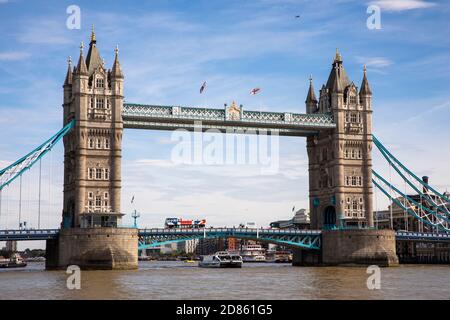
[{"x": 180, "y": 280}]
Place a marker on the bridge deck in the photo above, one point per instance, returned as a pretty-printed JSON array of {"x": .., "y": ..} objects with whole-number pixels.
[
  {"x": 138, "y": 116},
  {"x": 45, "y": 234}
]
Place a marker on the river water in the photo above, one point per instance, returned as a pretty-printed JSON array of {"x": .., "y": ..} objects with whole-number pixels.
[{"x": 180, "y": 280}]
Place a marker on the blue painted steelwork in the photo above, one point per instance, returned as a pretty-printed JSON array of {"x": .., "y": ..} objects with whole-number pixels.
[
  {"x": 393, "y": 161},
  {"x": 306, "y": 239},
  {"x": 172, "y": 117},
  {"x": 13, "y": 171},
  {"x": 32, "y": 234},
  {"x": 422, "y": 236},
  {"x": 409, "y": 198},
  {"x": 408, "y": 210}
]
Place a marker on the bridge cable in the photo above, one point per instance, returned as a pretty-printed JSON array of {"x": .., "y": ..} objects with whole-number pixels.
[
  {"x": 1, "y": 207},
  {"x": 391, "y": 217},
  {"x": 410, "y": 200},
  {"x": 388, "y": 156},
  {"x": 411, "y": 212},
  {"x": 20, "y": 202},
  {"x": 39, "y": 200}
]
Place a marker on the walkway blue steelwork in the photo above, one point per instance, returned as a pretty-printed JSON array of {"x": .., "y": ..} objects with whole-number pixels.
[
  {"x": 140, "y": 116},
  {"x": 306, "y": 239}
]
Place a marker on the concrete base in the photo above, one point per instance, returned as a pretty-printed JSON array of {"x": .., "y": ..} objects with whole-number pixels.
[
  {"x": 94, "y": 248},
  {"x": 352, "y": 247}
]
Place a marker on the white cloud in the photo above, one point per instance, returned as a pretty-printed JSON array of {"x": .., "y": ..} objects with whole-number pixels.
[
  {"x": 403, "y": 5},
  {"x": 375, "y": 62},
  {"x": 13, "y": 55}
]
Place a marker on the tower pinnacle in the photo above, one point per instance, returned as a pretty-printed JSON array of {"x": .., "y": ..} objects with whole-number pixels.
[{"x": 365, "y": 88}]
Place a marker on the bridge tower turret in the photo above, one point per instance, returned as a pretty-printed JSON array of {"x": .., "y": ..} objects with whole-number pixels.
[
  {"x": 340, "y": 160},
  {"x": 89, "y": 236},
  {"x": 92, "y": 182}
]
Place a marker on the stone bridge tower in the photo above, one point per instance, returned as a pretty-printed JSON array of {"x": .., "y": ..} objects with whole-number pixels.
[
  {"x": 340, "y": 160},
  {"x": 93, "y": 96},
  {"x": 91, "y": 236},
  {"x": 340, "y": 177}
]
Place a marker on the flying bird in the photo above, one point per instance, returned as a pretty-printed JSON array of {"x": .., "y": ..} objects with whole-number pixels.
[{"x": 298, "y": 16}]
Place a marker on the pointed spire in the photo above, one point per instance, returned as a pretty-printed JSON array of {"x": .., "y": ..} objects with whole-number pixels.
[
  {"x": 93, "y": 59},
  {"x": 81, "y": 66},
  {"x": 365, "y": 88},
  {"x": 337, "y": 57},
  {"x": 338, "y": 74},
  {"x": 93, "y": 40},
  {"x": 336, "y": 86},
  {"x": 311, "y": 98},
  {"x": 68, "y": 80},
  {"x": 116, "y": 71}
]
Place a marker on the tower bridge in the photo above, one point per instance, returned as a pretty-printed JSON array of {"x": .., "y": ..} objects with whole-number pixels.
[{"x": 338, "y": 129}]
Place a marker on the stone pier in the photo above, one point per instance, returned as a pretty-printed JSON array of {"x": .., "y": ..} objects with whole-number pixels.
[
  {"x": 94, "y": 248},
  {"x": 352, "y": 247}
]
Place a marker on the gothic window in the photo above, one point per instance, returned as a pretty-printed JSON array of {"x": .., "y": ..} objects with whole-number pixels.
[
  {"x": 353, "y": 181},
  {"x": 347, "y": 181},
  {"x": 105, "y": 203},
  {"x": 106, "y": 143},
  {"x": 98, "y": 174},
  {"x": 346, "y": 154},
  {"x": 99, "y": 83},
  {"x": 90, "y": 195},
  {"x": 353, "y": 154},
  {"x": 105, "y": 195},
  {"x": 355, "y": 205},
  {"x": 108, "y": 103},
  {"x": 360, "y": 200},
  {"x": 359, "y": 153},
  {"x": 353, "y": 118},
  {"x": 359, "y": 181},
  {"x": 91, "y": 103},
  {"x": 347, "y": 117},
  {"x": 91, "y": 143},
  {"x": 106, "y": 175},
  {"x": 98, "y": 201},
  {"x": 91, "y": 173},
  {"x": 100, "y": 103},
  {"x": 352, "y": 99},
  {"x": 99, "y": 143}
]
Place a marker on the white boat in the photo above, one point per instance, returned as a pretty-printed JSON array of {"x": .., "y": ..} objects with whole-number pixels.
[
  {"x": 221, "y": 259},
  {"x": 253, "y": 253}
]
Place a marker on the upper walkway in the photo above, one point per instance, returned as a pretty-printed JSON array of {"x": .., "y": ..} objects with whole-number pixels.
[{"x": 232, "y": 120}]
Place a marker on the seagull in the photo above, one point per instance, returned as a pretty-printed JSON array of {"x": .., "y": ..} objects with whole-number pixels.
[{"x": 298, "y": 16}]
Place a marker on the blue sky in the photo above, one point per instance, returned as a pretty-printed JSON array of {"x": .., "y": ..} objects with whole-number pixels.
[{"x": 168, "y": 48}]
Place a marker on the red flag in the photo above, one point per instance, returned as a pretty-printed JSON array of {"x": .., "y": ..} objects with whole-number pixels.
[
  {"x": 203, "y": 87},
  {"x": 254, "y": 91}
]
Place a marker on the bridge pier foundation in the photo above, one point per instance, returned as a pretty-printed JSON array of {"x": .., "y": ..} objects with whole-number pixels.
[
  {"x": 94, "y": 248},
  {"x": 352, "y": 247}
]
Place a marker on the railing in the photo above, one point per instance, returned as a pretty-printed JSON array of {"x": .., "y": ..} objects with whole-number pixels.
[
  {"x": 140, "y": 112},
  {"x": 160, "y": 231}
]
